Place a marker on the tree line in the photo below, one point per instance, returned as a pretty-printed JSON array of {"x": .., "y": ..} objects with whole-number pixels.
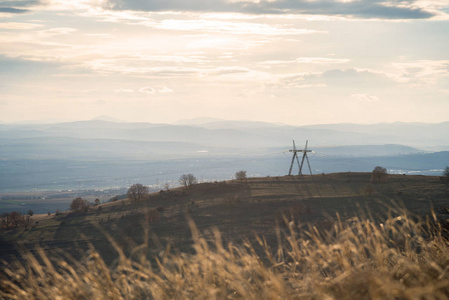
[
  {"x": 138, "y": 192},
  {"x": 15, "y": 219}
]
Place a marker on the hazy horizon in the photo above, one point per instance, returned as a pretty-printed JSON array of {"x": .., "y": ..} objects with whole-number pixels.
[{"x": 198, "y": 120}]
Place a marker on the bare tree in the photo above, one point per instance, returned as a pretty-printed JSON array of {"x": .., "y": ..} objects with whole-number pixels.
[
  {"x": 240, "y": 175},
  {"x": 137, "y": 192},
  {"x": 187, "y": 180},
  {"x": 16, "y": 218},
  {"x": 5, "y": 219},
  {"x": 79, "y": 205},
  {"x": 379, "y": 174}
]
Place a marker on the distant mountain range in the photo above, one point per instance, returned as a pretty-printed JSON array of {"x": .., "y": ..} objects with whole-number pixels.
[
  {"x": 99, "y": 137},
  {"x": 99, "y": 153}
]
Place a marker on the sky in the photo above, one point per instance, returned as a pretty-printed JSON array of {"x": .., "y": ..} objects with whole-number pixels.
[{"x": 297, "y": 62}]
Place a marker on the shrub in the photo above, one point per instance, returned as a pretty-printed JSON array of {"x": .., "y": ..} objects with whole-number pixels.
[
  {"x": 16, "y": 218},
  {"x": 137, "y": 192},
  {"x": 240, "y": 175},
  {"x": 79, "y": 205},
  {"x": 5, "y": 219},
  {"x": 187, "y": 180},
  {"x": 379, "y": 174}
]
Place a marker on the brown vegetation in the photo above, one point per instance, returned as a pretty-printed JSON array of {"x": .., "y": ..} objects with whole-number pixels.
[
  {"x": 137, "y": 192},
  {"x": 379, "y": 174},
  {"x": 356, "y": 257},
  {"x": 369, "y": 189},
  {"x": 79, "y": 205},
  {"x": 187, "y": 180},
  {"x": 12, "y": 219},
  {"x": 400, "y": 258},
  {"x": 153, "y": 215},
  {"x": 240, "y": 175}
]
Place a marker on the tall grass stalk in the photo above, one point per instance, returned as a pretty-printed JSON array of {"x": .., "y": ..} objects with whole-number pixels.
[{"x": 400, "y": 258}]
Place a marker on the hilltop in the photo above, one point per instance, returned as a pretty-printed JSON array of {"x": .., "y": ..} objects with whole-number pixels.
[{"x": 239, "y": 209}]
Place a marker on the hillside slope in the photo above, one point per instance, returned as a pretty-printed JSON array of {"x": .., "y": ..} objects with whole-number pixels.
[{"x": 239, "y": 209}]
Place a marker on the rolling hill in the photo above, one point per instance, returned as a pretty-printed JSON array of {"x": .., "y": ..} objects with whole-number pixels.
[
  {"x": 335, "y": 235},
  {"x": 239, "y": 209}
]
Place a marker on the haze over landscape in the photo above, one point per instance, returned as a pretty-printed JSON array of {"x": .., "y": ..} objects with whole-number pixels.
[
  {"x": 101, "y": 94},
  {"x": 93, "y": 156},
  {"x": 224, "y": 149}
]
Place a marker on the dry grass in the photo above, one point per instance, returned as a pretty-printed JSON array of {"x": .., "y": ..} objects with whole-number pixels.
[{"x": 400, "y": 258}]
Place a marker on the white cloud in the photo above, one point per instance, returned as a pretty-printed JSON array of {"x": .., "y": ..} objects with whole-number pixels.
[
  {"x": 218, "y": 43},
  {"x": 237, "y": 75},
  {"x": 321, "y": 60},
  {"x": 435, "y": 6},
  {"x": 124, "y": 91},
  {"x": 75, "y": 5},
  {"x": 175, "y": 58},
  {"x": 152, "y": 91},
  {"x": 227, "y": 70},
  {"x": 223, "y": 56},
  {"x": 100, "y": 35},
  {"x": 306, "y": 86},
  {"x": 236, "y": 27},
  {"x": 307, "y": 60},
  {"x": 58, "y": 31},
  {"x": 357, "y": 77},
  {"x": 365, "y": 98},
  {"x": 19, "y": 26},
  {"x": 165, "y": 90},
  {"x": 117, "y": 66},
  {"x": 421, "y": 72},
  {"x": 147, "y": 90}
]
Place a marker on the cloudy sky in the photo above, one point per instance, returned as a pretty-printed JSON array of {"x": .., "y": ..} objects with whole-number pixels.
[{"x": 291, "y": 61}]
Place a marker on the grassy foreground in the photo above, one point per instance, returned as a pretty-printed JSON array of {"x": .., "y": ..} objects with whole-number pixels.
[{"x": 400, "y": 258}]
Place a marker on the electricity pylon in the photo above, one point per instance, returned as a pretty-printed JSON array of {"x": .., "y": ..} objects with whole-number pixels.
[{"x": 304, "y": 157}]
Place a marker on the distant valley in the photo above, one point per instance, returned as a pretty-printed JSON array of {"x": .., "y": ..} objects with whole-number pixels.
[{"x": 100, "y": 154}]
